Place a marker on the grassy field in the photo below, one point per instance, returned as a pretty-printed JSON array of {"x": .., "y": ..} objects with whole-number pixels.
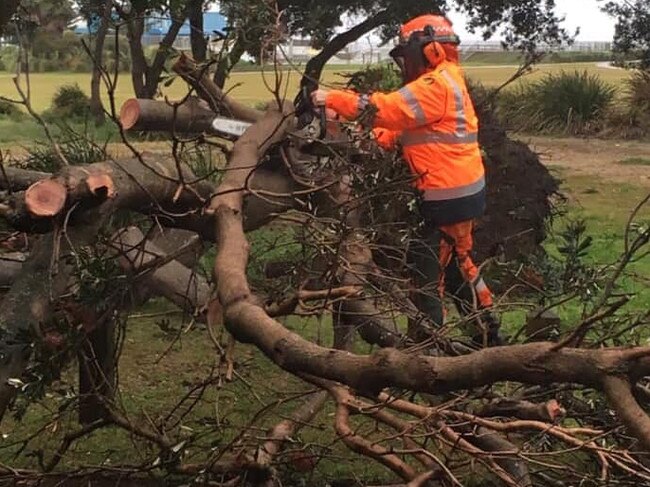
[{"x": 249, "y": 87}]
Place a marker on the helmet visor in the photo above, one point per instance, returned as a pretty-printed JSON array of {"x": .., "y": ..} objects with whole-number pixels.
[{"x": 397, "y": 53}]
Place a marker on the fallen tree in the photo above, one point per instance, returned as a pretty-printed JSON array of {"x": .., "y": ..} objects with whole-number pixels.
[{"x": 425, "y": 410}]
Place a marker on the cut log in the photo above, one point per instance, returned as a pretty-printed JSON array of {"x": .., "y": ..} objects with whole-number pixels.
[
  {"x": 174, "y": 281},
  {"x": 150, "y": 188},
  {"x": 159, "y": 116},
  {"x": 101, "y": 185},
  {"x": 10, "y": 267},
  {"x": 18, "y": 179},
  {"x": 45, "y": 198}
]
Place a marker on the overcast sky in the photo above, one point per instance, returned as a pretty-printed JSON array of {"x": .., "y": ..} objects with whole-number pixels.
[{"x": 594, "y": 25}]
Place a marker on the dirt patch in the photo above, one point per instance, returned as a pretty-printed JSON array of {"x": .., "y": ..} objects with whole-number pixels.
[{"x": 607, "y": 159}]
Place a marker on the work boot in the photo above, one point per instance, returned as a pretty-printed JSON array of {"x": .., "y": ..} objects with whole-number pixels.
[{"x": 494, "y": 336}]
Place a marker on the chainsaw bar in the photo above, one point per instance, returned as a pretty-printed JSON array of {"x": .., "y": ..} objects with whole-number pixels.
[{"x": 230, "y": 126}]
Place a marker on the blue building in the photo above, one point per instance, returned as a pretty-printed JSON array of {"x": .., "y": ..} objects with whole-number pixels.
[{"x": 157, "y": 26}]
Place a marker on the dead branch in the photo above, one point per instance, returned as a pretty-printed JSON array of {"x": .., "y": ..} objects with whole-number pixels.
[{"x": 279, "y": 434}]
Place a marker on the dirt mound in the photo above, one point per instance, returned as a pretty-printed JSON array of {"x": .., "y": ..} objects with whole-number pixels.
[{"x": 520, "y": 188}]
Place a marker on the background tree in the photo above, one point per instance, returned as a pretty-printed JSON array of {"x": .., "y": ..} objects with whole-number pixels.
[
  {"x": 525, "y": 23},
  {"x": 98, "y": 15},
  {"x": 145, "y": 73},
  {"x": 7, "y": 10},
  {"x": 198, "y": 38},
  {"x": 51, "y": 16},
  {"x": 632, "y": 34}
]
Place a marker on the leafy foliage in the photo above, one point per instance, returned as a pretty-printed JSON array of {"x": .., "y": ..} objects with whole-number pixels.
[
  {"x": 70, "y": 101},
  {"x": 9, "y": 109},
  {"x": 76, "y": 147},
  {"x": 632, "y": 28},
  {"x": 573, "y": 103},
  {"x": 383, "y": 77},
  {"x": 524, "y": 23},
  {"x": 204, "y": 161},
  {"x": 52, "y": 16},
  {"x": 638, "y": 100}
]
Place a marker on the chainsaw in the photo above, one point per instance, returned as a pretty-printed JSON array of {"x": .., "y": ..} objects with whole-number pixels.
[{"x": 310, "y": 126}]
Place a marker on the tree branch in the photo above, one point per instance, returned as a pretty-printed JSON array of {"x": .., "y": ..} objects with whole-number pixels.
[{"x": 315, "y": 65}]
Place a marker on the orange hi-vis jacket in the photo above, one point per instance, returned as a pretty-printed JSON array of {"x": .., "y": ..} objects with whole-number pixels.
[{"x": 434, "y": 120}]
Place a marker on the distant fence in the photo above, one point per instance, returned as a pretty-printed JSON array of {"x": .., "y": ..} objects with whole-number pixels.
[
  {"x": 366, "y": 55},
  {"x": 493, "y": 46}
]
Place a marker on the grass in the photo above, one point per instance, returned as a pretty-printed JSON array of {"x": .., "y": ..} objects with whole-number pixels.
[
  {"x": 248, "y": 87},
  {"x": 155, "y": 371},
  {"x": 606, "y": 208},
  {"x": 635, "y": 161}
]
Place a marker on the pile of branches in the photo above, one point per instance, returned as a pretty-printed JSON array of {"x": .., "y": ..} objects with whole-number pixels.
[{"x": 98, "y": 240}]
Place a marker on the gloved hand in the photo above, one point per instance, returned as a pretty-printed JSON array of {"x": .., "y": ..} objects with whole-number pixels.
[{"x": 319, "y": 97}]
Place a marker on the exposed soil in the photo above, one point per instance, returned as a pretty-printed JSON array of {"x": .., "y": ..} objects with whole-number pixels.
[
  {"x": 520, "y": 189},
  {"x": 626, "y": 162}
]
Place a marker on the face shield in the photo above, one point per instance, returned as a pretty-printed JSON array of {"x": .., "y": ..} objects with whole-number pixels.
[
  {"x": 410, "y": 59},
  {"x": 409, "y": 53}
]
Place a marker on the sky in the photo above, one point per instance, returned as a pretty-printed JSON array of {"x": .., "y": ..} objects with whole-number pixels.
[
  {"x": 586, "y": 14},
  {"x": 594, "y": 25}
]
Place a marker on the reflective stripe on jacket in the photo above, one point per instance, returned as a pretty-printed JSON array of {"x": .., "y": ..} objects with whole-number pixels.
[{"x": 437, "y": 126}]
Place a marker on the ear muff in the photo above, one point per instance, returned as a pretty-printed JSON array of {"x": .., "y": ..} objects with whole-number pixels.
[{"x": 434, "y": 53}]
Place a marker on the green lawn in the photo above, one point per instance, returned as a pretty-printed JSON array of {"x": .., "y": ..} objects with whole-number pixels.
[
  {"x": 155, "y": 371},
  {"x": 249, "y": 87}
]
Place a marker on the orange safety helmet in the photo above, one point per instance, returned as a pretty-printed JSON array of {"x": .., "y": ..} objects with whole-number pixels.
[{"x": 425, "y": 41}]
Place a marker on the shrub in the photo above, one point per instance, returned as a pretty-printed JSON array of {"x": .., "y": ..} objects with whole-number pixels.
[
  {"x": 8, "y": 58},
  {"x": 70, "y": 101},
  {"x": 8, "y": 109},
  {"x": 573, "y": 103},
  {"x": 383, "y": 77},
  {"x": 78, "y": 148},
  {"x": 638, "y": 98}
]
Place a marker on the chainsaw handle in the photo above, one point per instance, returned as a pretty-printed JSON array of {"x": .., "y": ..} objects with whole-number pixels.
[
  {"x": 323, "y": 122},
  {"x": 306, "y": 112}
]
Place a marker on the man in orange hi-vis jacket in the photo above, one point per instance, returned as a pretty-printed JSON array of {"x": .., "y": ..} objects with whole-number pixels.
[{"x": 433, "y": 119}]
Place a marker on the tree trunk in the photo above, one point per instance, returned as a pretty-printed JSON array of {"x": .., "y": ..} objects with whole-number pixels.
[
  {"x": 315, "y": 65},
  {"x": 227, "y": 62},
  {"x": 7, "y": 10},
  {"x": 96, "y": 107},
  {"x": 153, "y": 72},
  {"x": 97, "y": 373},
  {"x": 198, "y": 38},
  {"x": 135, "y": 31}
]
